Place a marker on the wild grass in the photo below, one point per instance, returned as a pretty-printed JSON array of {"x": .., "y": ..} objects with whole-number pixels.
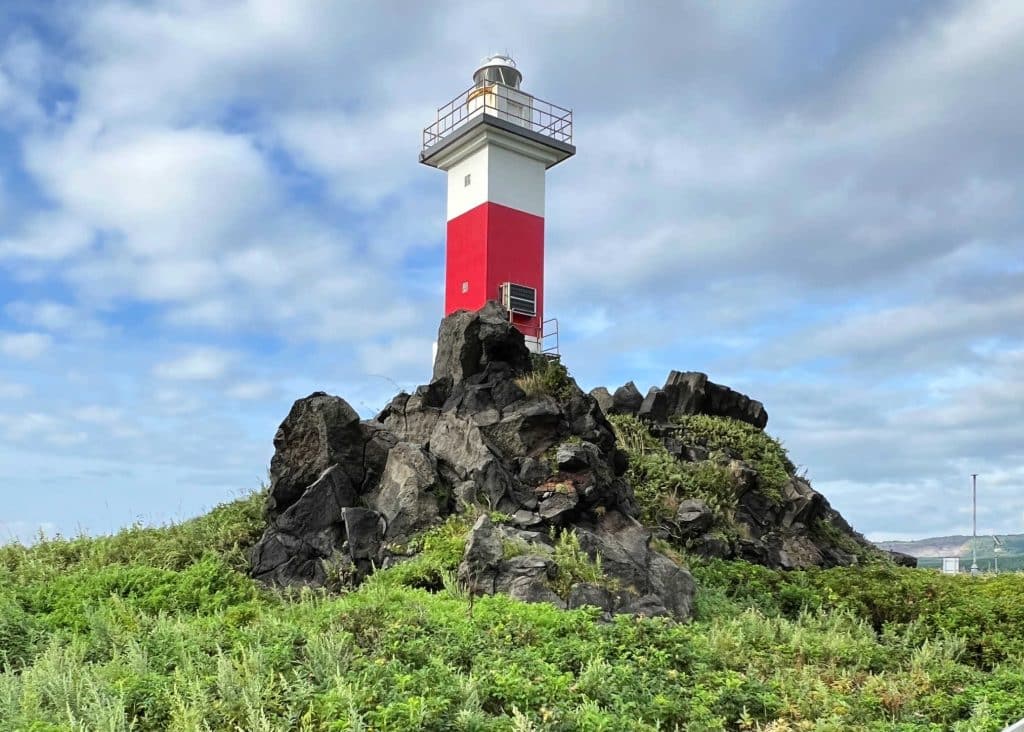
[{"x": 116, "y": 634}]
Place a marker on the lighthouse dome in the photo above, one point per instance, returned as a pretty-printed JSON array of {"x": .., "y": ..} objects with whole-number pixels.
[{"x": 500, "y": 69}]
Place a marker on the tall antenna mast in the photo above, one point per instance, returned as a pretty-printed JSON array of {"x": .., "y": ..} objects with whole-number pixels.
[{"x": 974, "y": 522}]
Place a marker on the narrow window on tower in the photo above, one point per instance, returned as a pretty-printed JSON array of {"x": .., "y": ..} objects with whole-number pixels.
[
  {"x": 466, "y": 180},
  {"x": 465, "y": 287}
]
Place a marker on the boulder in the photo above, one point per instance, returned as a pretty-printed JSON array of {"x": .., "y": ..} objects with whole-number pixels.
[
  {"x": 693, "y": 518},
  {"x": 604, "y": 399},
  {"x": 410, "y": 497},
  {"x": 690, "y": 392},
  {"x": 648, "y": 579},
  {"x": 627, "y": 399},
  {"x": 319, "y": 432},
  {"x": 655, "y": 406},
  {"x": 468, "y": 342},
  {"x": 526, "y": 428},
  {"x": 481, "y": 561},
  {"x": 326, "y": 461},
  {"x": 585, "y": 593},
  {"x": 901, "y": 559}
]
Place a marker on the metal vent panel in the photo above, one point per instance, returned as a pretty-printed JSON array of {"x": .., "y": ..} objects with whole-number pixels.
[{"x": 519, "y": 298}]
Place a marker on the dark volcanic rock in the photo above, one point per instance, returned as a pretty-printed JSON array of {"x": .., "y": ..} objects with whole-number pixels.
[
  {"x": 468, "y": 341},
  {"x": 319, "y": 432},
  {"x": 655, "y": 406},
  {"x": 410, "y": 496},
  {"x": 903, "y": 560},
  {"x": 693, "y": 518},
  {"x": 604, "y": 399},
  {"x": 626, "y": 399},
  {"x": 347, "y": 495},
  {"x": 325, "y": 461},
  {"x": 691, "y": 392},
  {"x": 646, "y": 582}
]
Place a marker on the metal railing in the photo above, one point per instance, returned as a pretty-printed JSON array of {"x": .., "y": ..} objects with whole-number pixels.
[
  {"x": 546, "y": 334},
  {"x": 503, "y": 102}
]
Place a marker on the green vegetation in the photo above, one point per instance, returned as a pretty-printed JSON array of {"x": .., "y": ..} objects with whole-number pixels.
[
  {"x": 730, "y": 437},
  {"x": 661, "y": 482},
  {"x": 157, "y": 629},
  {"x": 573, "y": 565},
  {"x": 549, "y": 377}
]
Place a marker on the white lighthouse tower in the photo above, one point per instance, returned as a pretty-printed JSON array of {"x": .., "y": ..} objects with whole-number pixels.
[{"x": 496, "y": 142}]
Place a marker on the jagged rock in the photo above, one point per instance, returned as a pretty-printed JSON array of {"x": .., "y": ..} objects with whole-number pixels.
[
  {"x": 710, "y": 546},
  {"x": 526, "y": 518},
  {"x": 576, "y": 456},
  {"x": 693, "y": 518},
  {"x": 626, "y": 555},
  {"x": 691, "y": 392},
  {"x": 585, "y": 593},
  {"x": 325, "y": 461},
  {"x": 627, "y": 399},
  {"x": 525, "y": 578},
  {"x": 901, "y": 559},
  {"x": 412, "y": 417},
  {"x": 527, "y": 428},
  {"x": 671, "y": 584},
  {"x": 655, "y": 407},
  {"x": 798, "y": 552},
  {"x": 484, "y": 570},
  {"x": 460, "y": 445},
  {"x": 346, "y": 493},
  {"x": 557, "y": 503},
  {"x": 533, "y": 472},
  {"x": 803, "y": 504},
  {"x": 320, "y": 431},
  {"x": 604, "y": 399},
  {"x": 586, "y": 421},
  {"x": 647, "y": 606},
  {"x": 468, "y": 341},
  {"x": 364, "y": 532},
  {"x": 410, "y": 496},
  {"x": 482, "y": 558}
]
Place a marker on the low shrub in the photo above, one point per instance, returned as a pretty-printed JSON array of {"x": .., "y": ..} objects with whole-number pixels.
[
  {"x": 660, "y": 482},
  {"x": 549, "y": 377},
  {"x": 748, "y": 443},
  {"x": 199, "y": 646}
]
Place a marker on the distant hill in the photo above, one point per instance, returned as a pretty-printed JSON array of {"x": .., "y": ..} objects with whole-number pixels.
[{"x": 955, "y": 546}]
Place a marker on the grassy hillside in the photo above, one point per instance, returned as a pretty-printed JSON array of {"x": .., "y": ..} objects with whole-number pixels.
[{"x": 156, "y": 629}]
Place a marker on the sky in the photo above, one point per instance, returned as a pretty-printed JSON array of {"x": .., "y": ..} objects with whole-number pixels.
[{"x": 211, "y": 209}]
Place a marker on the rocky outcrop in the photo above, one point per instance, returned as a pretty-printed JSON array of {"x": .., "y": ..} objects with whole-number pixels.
[
  {"x": 347, "y": 494},
  {"x": 345, "y": 491},
  {"x": 688, "y": 392}
]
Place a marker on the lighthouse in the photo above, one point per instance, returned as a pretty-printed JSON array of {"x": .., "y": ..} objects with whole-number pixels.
[{"x": 496, "y": 143}]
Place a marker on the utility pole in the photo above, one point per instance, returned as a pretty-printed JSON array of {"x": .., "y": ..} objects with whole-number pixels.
[{"x": 974, "y": 523}]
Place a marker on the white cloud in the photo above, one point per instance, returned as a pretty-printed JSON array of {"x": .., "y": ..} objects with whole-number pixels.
[
  {"x": 201, "y": 364},
  {"x": 26, "y": 346},
  {"x": 38, "y": 426},
  {"x": 12, "y": 391},
  {"x": 56, "y": 317},
  {"x": 238, "y": 168},
  {"x": 50, "y": 236},
  {"x": 250, "y": 390}
]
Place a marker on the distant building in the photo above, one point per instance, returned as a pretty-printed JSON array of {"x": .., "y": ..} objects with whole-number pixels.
[{"x": 951, "y": 565}]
